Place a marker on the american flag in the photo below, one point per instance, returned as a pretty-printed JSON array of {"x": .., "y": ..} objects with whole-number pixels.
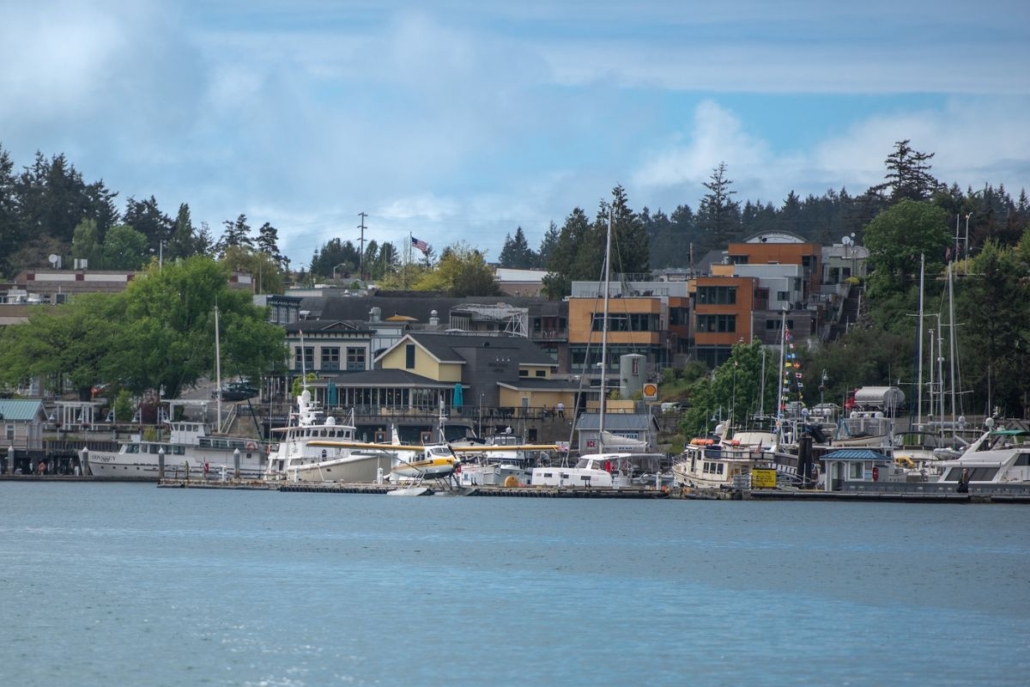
[{"x": 421, "y": 245}]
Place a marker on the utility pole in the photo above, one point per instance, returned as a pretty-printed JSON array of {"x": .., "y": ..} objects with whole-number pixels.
[{"x": 361, "y": 242}]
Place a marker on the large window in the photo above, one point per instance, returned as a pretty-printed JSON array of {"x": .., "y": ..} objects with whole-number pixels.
[
  {"x": 717, "y": 295},
  {"x": 330, "y": 358},
  {"x": 717, "y": 323},
  {"x": 409, "y": 357},
  {"x": 355, "y": 359}
]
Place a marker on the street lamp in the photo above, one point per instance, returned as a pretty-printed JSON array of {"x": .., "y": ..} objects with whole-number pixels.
[{"x": 337, "y": 267}]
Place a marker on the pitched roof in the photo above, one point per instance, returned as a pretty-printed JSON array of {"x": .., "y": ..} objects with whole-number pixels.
[
  {"x": 387, "y": 377},
  {"x": 20, "y": 409},
  {"x": 448, "y": 347}
]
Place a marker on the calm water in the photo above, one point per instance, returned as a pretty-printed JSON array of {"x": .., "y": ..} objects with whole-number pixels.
[{"x": 119, "y": 584}]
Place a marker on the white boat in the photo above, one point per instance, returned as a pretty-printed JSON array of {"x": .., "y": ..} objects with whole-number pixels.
[
  {"x": 191, "y": 450},
  {"x": 502, "y": 460},
  {"x": 604, "y": 470},
  {"x": 314, "y": 448},
  {"x": 999, "y": 456}
]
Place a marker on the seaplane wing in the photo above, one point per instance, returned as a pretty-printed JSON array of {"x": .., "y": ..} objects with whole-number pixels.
[
  {"x": 328, "y": 443},
  {"x": 514, "y": 447}
]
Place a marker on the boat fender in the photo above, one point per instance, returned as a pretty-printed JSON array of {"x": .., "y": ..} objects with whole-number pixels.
[{"x": 876, "y": 474}]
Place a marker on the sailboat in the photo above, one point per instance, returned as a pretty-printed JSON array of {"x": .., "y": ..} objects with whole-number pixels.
[{"x": 604, "y": 469}]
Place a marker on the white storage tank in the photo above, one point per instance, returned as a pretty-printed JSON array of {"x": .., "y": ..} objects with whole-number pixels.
[
  {"x": 886, "y": 398},
  {"x": 632, "y": 374}
]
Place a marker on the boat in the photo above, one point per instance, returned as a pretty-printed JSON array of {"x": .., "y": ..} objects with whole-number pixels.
[
  {"x": 718, "y": 463},
  {"x": 999, "y": 456},
  {"x": 315, "y": 448},
  {"x": 603, "y": 470},
  {"x": 191, "y": 451},
  {"x": 501, "y": 460}
]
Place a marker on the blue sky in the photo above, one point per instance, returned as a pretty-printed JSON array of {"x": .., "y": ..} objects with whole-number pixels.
[{"x": 462, "y": 120}]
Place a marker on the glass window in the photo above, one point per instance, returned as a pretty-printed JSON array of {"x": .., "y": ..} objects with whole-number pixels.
[
  {"x": 308, "y": 360},
  {"x": 409, "y": 357},
  {"x": 355, "y": 359},
  {"x": 330, "y": 358}
]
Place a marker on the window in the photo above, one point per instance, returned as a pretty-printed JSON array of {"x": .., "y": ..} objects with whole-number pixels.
[
  {"x": 355, "y": 359},
  {"x": 307, "y": 361},
  {"x": 717, "y": 295},
  {"x": 857, "y": 470},
  {"x": 409, "y": 357},
  {"x": 10, "y": 435},
  {"x": 716, "y": 323},
  {"x": 330, "y": 358},
  {"x": 782, "y": 295}
]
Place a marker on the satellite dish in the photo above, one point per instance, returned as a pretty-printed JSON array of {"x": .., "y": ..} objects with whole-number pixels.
[{"x": 54, "y": 259}]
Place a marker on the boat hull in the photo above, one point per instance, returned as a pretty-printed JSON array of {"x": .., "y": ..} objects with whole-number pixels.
[
  {"x": 352, "y": 468},
  {"x": 145, "y": 465}
]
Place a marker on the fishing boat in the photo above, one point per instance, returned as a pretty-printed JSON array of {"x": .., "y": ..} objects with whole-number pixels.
[{"x": 720, "y": 463}]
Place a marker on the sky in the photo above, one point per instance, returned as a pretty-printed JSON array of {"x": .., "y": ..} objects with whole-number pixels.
[{"x": 462, "y": 120}]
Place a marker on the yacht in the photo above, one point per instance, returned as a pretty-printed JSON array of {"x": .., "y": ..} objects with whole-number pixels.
[
  {"x": 314, "y": 448},
  {"x": 192, "y": 450},
  {"x": 999, "y": 456}
]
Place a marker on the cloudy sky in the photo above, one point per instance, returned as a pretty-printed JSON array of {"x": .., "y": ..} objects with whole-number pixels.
[{"x": 464, "y": 119}]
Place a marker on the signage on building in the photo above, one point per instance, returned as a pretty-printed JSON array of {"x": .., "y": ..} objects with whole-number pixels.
[{"x": 650, "y": 392}]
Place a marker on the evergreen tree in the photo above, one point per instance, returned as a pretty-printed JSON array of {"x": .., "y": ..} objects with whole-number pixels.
[
  {"x": 10, "y": 234},
  {"x": 51, "y": 199},
  {"x": 719, "y": 214},
  {"x": 570, "y": 250},
  {"x": 100, "y": 207},
  {"x": 516, "y": 252},
  {"x": 183, "y": 242},
  {"x": 236, "y": 234},
  {"x": 146, "y": 218},
  {"x": 908, "y": 175},
  {"x": 630, "y": 246},
  {"x": 268, "y": 243},
  {"x": 547, "y": 245}
]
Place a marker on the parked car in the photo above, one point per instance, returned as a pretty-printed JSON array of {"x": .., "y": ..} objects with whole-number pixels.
[{"x": 236, "y": 391}]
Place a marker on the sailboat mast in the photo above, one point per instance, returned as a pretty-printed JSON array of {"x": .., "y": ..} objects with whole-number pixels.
[
  {"x": 951, "y": 341},
  {"x": 919, "y": 365},
  {"x": 604, "y": 327},
  {"x": 218, "y": 370},
  {"x": 779, "y": 377}
]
